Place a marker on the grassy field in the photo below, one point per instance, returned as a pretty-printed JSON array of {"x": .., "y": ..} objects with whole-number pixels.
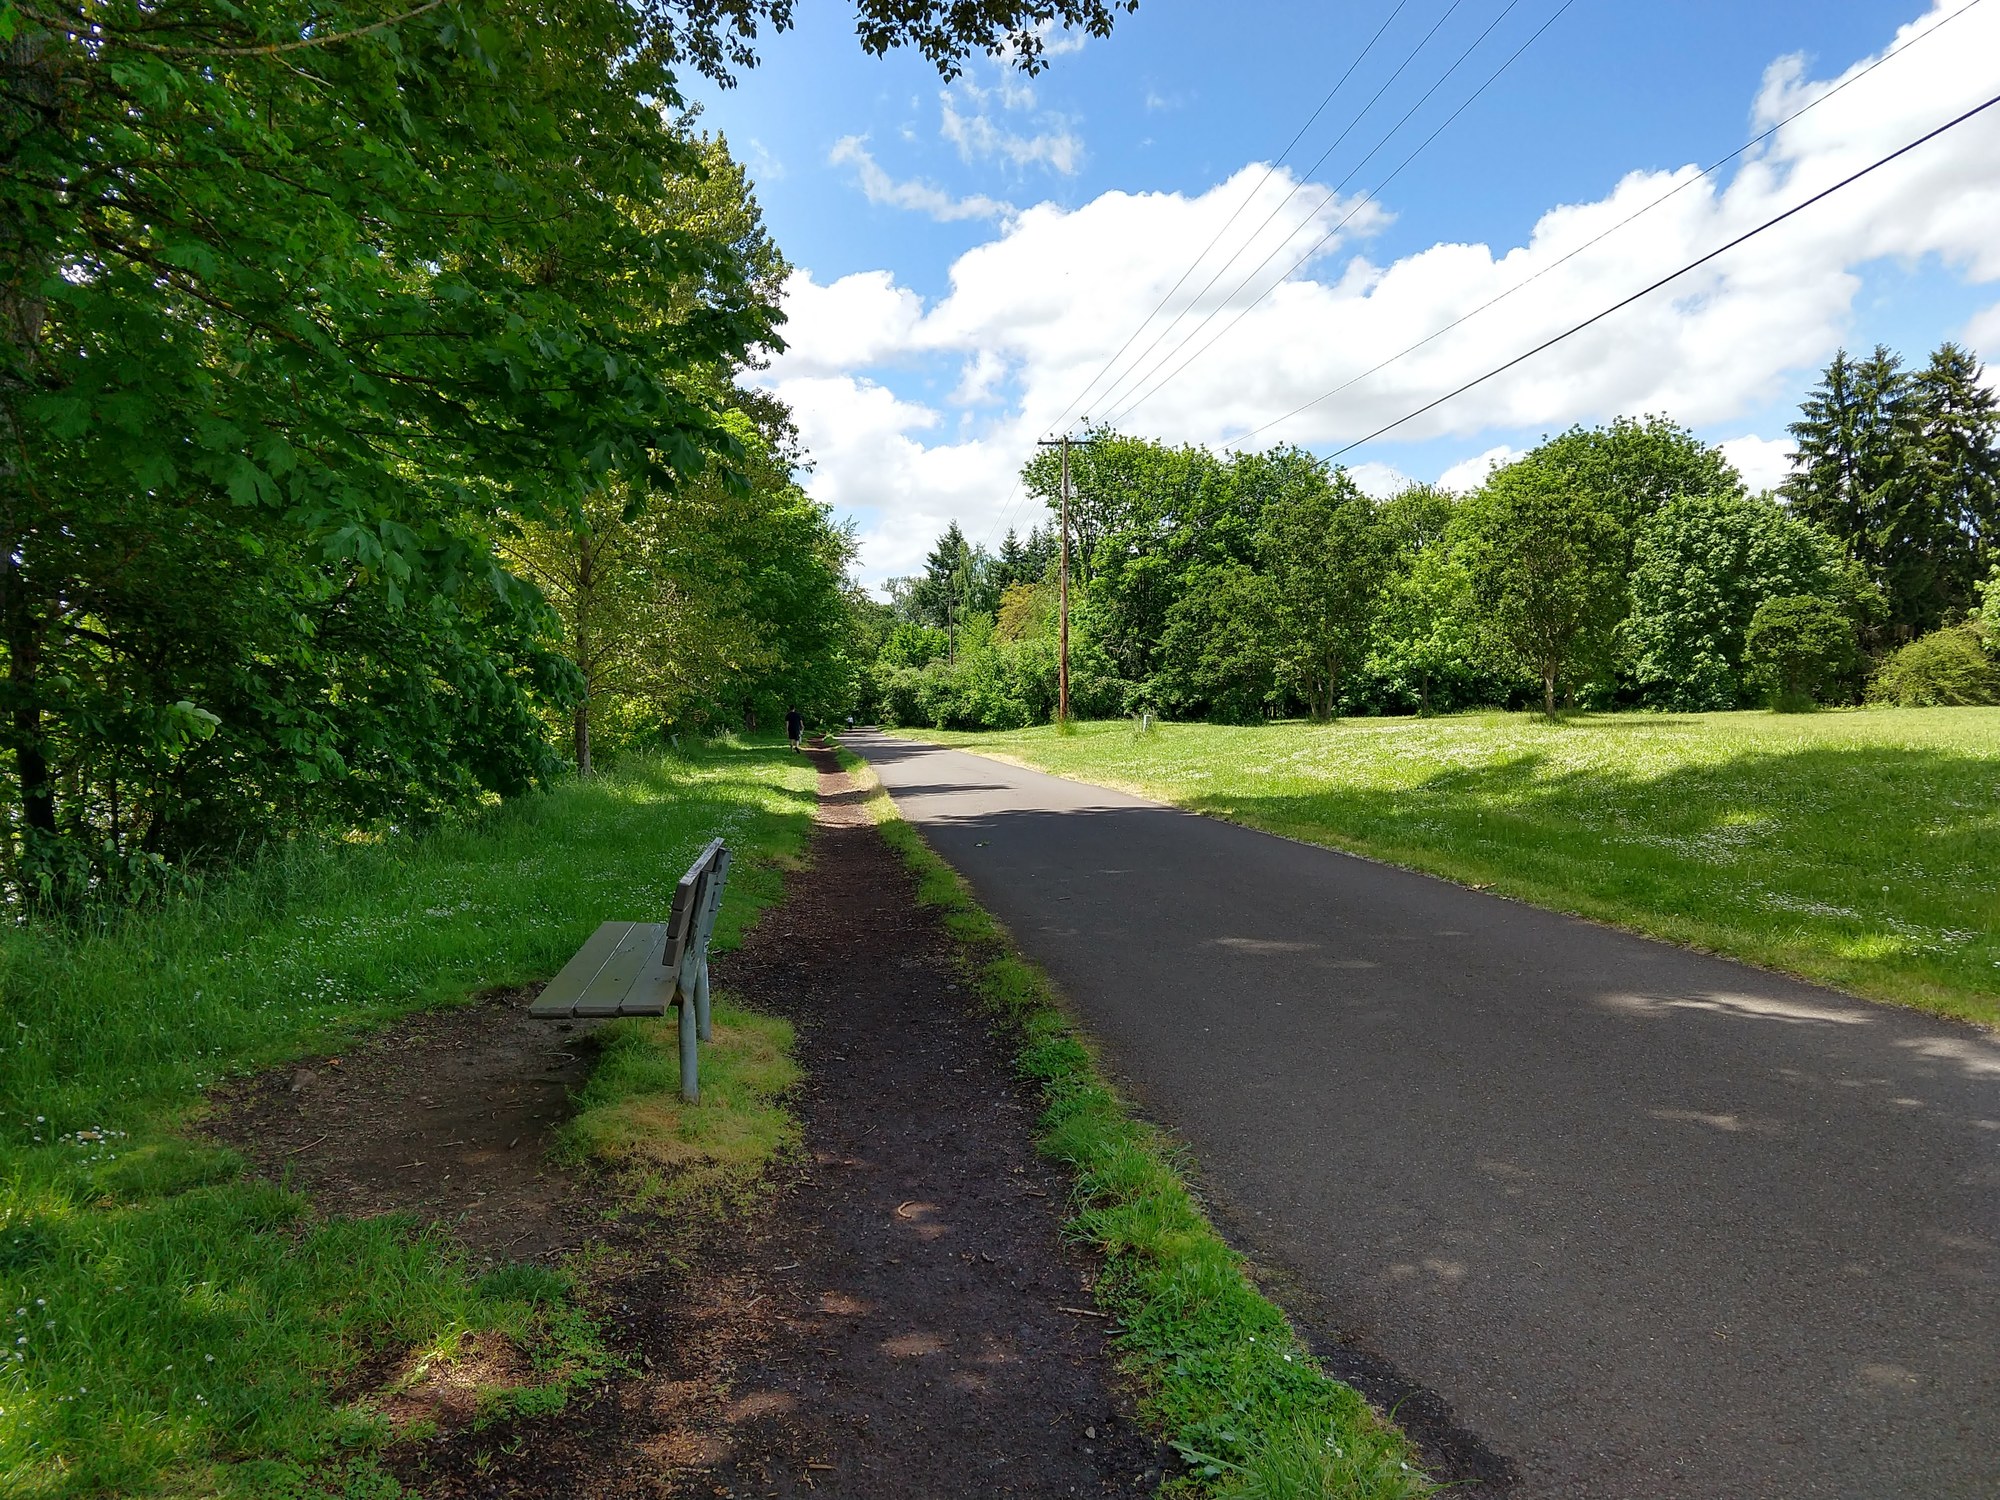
[
  {"x": 174, "y": 1329},
  {"x": 1860, "y": 849},
  {"x": 1220, "y": 1372}
]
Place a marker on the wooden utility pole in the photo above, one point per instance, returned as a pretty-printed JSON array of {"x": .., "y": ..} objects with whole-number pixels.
[{"x": 1062, "y": 588}]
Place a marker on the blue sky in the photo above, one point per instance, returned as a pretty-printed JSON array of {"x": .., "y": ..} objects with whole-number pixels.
[{"x": 970, "y": 255}]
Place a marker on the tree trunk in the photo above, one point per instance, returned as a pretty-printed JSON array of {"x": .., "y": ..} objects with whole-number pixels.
[
  {"x": 29, "y": 101},
  {"x": 583, "y": 738},
  {"x": 1549, "y": 692},
  {"x": 24, "y": 721}
]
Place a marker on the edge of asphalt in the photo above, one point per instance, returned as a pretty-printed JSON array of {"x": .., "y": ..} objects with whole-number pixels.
[
  {"x": 1029, "y": 1010},
  {"x": 1127, "y": 789}
]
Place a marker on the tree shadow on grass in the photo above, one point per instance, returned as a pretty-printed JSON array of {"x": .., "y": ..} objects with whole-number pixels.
[{"x": 1882, "y": 859}]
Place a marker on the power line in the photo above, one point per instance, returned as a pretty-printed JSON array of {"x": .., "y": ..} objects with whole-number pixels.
[
  {"x": 1235, "y": 214},
  {"x": 1304, "y": 178},
  {"x": 1599, "y": 317},
  {"x": 1358, "y": 205},
  {"x": 1677, "y": 189},
  {"x": 1007, "y": 510}
]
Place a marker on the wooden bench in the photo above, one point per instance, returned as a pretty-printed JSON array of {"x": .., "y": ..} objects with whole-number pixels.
[{"x": 647, "y": 968}]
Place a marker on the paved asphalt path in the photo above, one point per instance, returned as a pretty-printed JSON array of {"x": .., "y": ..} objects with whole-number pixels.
[{"x": 1655, "y": 1225}]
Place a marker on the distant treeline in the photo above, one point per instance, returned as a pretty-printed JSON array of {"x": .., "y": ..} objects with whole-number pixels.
[{"x": 1616, "y": 566}]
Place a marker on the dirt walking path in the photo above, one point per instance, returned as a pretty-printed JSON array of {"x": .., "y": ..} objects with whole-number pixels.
[{"x": 902, "y": 1317}]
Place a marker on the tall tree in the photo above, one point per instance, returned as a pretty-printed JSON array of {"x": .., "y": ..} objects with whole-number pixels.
[
  {"x": 956, "y": 583},
  {"x": 1218, "y": 658},
  {"x": 1957, "y": 464},
  {"x": 1635, "y": 466},
  {"x": 1546, "y": 561},
  {"x": 1862, "y": 472},
  {"x": 1704, "y": 565},
  {"x": 1326, "y": 556},
  {"x": 1426, "y": 631},
  {"x": 320, "y": 304}
]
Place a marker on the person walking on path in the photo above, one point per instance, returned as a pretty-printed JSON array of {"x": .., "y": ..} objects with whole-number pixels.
[{"x": 795, "y": 726}]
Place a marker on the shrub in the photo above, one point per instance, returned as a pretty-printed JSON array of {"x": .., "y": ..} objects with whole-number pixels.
[
  {"x": 1797, "y": 647},
  {"x": 1943, "y": 669}
]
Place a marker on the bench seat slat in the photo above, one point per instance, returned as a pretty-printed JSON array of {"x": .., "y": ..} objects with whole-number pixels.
[
  {"x": 651, "y": 994},
  {"x": 559, "y": 996},
  {"x": 636, "y": 951}
]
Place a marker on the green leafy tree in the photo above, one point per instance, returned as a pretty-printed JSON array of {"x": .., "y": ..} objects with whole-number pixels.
[
  {"x": 1703, "y": 565},
  {"x": 303, "y": 338},
  {"x": 1325, "y": 555},
  {"x": 300, "y": 310},
  {"x": 1545, "y": 562},
  {"x": 1027, "y": 612},
  {"x": 1635, "y": 466},
  {"x": 720, "y": 36},
  {"x": 1798, "y": 647},
  {"x": 1218, "y": 658},
  {"x": 1426, "y": 634}
]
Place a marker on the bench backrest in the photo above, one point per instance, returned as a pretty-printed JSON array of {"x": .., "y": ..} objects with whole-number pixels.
[{"x": 694, "y": 902}]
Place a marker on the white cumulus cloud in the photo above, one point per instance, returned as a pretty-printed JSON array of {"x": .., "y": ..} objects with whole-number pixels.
[
  {"x": 1056, "y": 290},
  {"x": 1763, "y": 462},
  {"x": 1470, "y": 473},
  {"x": 923, "y": 197}
]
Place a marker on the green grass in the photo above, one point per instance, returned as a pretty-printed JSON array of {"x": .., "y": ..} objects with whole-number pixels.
[
  {"x": 1220, "y": 1371},
  {"x": 1859, "y": 849},
  {"x": 671, "y": 1155},
  {"x": 175, "y": 1329}
]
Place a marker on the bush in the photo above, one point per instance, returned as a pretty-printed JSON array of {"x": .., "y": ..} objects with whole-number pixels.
[
  {"x": 1944, "y": 669},
  {"x": 1798, "y": 647}
]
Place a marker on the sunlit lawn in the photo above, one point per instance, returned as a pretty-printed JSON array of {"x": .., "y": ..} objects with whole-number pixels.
[
  {"x": 1860, "y": 848},
  {"x": 172, "y": 1327}
]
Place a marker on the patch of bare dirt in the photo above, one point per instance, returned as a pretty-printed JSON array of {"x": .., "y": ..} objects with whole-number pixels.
[{"x": 448, "y": 1115}]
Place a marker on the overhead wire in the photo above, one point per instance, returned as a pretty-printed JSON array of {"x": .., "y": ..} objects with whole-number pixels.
[
  {"x": 1305, "y": 178},
  {"x": 1676, "y": 190},
  {"x": 1270, "y": 169},
  {"x": 1006, "y": 512},
  {"x": 1696, "y": 264},
  {"x": 1363, "y": 201}
]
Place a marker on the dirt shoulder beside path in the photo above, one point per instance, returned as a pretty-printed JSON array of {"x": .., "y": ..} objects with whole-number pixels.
[{"x": 901, "y": 1317}]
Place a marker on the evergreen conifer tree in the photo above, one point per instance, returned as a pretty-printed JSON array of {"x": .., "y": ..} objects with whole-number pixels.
[
  {"x": 1855, "y": 474},
  {"x": 1012, "y": 566},
  {"x": 1959, "y": 464}
]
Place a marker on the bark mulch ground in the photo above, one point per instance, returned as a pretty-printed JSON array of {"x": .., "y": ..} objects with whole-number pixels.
[{"x": 901, "y": 1317}]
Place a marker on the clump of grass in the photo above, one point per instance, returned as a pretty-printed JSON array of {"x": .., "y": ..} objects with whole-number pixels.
[
  {"x": 1222, "y": 1373},
  {"x": 1854, "y": 848},
  {"x": 183, "y": 1330},
  {"x": 667, "y": 1153}
]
